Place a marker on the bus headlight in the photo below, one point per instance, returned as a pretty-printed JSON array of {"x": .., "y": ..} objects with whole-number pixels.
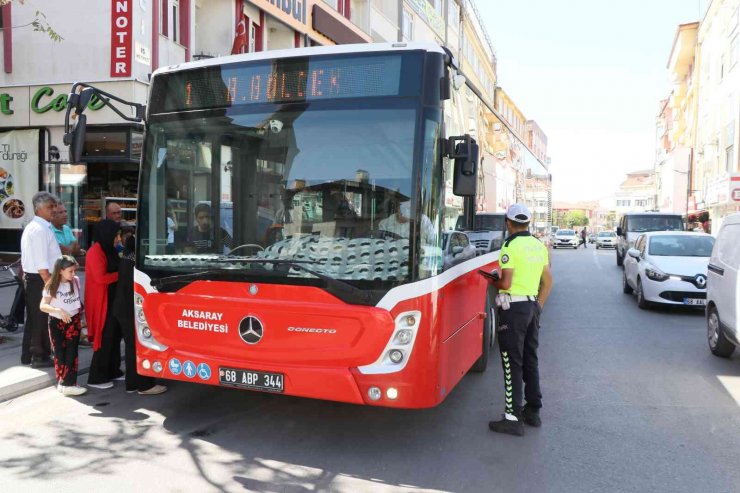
[
  {"x": 395, "y": 355},
  {"x": 143, "y": 331},
  {"x": 397, "y": 351}
]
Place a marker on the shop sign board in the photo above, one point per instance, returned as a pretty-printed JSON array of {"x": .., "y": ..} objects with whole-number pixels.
[
  {"x": 120, "y": 38},
  {"x": 45, "y": 105},
  {"x": 427, "y": 12},
  {"x": 19, "y": 176}
]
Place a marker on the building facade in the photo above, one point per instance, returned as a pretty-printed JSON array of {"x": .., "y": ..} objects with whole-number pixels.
[{"x": 636, "y": 193}]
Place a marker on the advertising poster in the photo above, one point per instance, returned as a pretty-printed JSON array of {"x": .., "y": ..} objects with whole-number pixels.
[{"x": 19, "y": 176}]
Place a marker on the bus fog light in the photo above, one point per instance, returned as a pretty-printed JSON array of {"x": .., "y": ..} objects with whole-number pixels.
[
  {"x": 157, "y": 366},
  {"x": 392, "y": 393},
  {"x": 404, "y": 336},
  {"x": 396, "y": 355},
  {"x": 146, "y": 364},
  {"x": 410, "y": 320},
  {"x": 374, "y": 393},
  {"x": 146, "y": 332}
]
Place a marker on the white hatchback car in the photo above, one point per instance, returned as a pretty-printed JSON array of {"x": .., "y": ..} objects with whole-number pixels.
[
  {"x": 565, "y": 238},
  {"x": 606, "y": 239},
  {"x": 668, "y": 267},
  {"x": 723, "y": 291}
]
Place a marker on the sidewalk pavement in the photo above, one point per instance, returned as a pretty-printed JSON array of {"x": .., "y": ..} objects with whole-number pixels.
[{"x": 17, "y": 379}]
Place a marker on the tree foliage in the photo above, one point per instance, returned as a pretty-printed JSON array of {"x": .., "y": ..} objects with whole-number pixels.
[
  {"x": 575, "y": 218},
  {"x": 39, "y": 23}
]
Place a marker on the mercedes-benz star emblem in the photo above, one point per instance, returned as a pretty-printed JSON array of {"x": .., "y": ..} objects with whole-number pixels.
[
  {"x": 701, "y": 281},
  {"x": 251, "y": 330}
]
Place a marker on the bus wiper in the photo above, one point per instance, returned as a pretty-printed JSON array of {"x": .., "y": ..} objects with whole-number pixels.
[
  {"x": 334, "y": 286},
  {"x": 208, "y": 274}
]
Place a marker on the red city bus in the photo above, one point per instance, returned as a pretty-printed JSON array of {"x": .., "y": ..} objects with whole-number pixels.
[{"x": 295, "y": 225}]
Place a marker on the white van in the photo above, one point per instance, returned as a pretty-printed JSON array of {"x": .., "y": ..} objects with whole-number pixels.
[
  {"x": 633, "y": 224},
  {"x": 723, "y": 290}
]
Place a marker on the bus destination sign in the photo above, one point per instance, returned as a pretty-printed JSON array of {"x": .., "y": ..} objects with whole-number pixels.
[{"x": 282, "y": 81}]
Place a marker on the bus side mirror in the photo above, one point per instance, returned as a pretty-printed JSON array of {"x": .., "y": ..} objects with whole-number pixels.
[
  {"x": 464, "y": 150},
  {"x": 75, "y": 139},
  {"x": 620, "y": 232},
  {"x": 81, "y": 100}
]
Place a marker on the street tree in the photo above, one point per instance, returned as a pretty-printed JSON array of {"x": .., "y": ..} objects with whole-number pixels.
[
  {"x": 575, "y": 218},
  {"x": 39, "y": 22}
]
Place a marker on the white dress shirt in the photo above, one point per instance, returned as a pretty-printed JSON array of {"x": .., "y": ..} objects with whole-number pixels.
[{"x": 39, "y": 247}]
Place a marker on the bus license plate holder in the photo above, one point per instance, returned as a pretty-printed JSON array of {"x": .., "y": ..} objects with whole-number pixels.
[{"x": 251, "y": 379}]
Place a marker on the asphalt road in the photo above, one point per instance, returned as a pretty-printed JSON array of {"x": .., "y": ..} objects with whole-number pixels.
[{"x": 633, "y": 401}]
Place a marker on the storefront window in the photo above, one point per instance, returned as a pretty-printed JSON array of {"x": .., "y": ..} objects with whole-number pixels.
[{"x": 104, "y": 143}]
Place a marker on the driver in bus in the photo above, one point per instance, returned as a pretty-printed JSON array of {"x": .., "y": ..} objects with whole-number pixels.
[
  {"x": 202, "y": 238},
  {"x": 399, "y": 224}
]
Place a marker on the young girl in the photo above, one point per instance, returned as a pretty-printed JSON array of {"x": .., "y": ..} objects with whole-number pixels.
[{"x": 61, "y": 300}]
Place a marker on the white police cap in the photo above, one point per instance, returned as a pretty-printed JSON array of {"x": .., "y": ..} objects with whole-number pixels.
[{"x": 518, "y": 213}]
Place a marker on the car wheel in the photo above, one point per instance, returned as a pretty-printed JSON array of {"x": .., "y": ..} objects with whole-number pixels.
[
  {"x": 626, "y": 288},
  {"x": 719, "y": 345},
  {"x": 620, "y": 260},
  {"x": 489, "y": 326},
  {"x": 641, "y": 302}
]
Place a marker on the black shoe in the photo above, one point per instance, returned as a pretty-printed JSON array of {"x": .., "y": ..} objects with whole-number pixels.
[
  {"x": 42, "y": 363},
  {"x": 25, "y": 360},
  {"x": 507, "y": 426},
  {"x": 531, "y": 416}
]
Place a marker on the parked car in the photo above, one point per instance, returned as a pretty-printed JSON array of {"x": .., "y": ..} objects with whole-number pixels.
[
  {"x": 487, "y": 233},
  {"x": 606, "y": 239},
  {"x": 668, "y": 267},
  {"x": 456, "y": 248},
  {"x": 592, "y": 238},
  {"x": 566, "y": 238},
  {"x": 633, "y": 224},
  {"x": 723, "y": 290}
]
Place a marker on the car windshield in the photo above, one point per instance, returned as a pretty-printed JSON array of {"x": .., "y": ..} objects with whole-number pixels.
[
  {"x": 643, "y": 224},
  {"x": 607, "y": 235},
  {"x": 681, "y": 246},
  {"x": 565, "y": 232}
]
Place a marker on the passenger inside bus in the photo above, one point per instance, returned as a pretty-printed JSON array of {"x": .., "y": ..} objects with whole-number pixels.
[{"x": 202, "y": 238}]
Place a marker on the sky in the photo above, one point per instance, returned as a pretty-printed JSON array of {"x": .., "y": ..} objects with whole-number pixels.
[{"x": 591, "y": 73}]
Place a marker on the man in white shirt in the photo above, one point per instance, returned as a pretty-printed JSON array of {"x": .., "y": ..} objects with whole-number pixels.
[{"x": 39, "y": 251}]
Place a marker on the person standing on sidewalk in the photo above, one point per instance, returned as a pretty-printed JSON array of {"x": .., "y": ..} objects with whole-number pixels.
[
  {"x": 101, "y": 275},
  {"x": 61, "y": 300},
  {"x": 123, "y": 311},
  {"x": 524, "y": 286},
  {"x": 39, "y": 251}
]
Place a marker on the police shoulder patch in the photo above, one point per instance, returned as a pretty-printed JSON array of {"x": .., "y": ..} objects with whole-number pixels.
[{"x": 504, "y": 259}]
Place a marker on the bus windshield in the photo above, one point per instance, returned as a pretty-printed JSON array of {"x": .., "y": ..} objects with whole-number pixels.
[{"x": 315, "y": 185}]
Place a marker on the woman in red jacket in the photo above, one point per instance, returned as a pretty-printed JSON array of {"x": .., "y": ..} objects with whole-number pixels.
[{"x": 101, "y": 275}]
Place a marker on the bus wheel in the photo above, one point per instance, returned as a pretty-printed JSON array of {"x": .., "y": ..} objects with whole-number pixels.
[{"x": 489, "y": 323}]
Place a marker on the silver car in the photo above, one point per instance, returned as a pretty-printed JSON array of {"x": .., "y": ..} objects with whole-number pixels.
[{"x": 606, "y": 239}]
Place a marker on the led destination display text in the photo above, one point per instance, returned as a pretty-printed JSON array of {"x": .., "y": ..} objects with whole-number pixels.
[{"x": 284, "y": 81}]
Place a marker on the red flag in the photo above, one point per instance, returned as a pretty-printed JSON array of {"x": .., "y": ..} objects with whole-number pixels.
[{"x": 240, "y": 37}]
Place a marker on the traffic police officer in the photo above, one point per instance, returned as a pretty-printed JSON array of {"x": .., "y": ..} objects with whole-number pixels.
[{"x": 524, "y": 286}]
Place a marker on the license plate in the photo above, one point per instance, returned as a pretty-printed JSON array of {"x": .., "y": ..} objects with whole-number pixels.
[
  {"x": 694, "y": 301},
  {"x": 250, "y": 379}
]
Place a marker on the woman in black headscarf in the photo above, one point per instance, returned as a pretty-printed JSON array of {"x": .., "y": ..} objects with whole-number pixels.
[
  {"x": 123, "y": 310},
  {"x": 101, "y": 276}
]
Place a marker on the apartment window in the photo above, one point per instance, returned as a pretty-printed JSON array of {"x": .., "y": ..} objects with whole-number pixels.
[
  {"x": 730, "y": 159},
  {"x": 437, "y": 4},
  {"x": 176, "y": 21},
  {"x": 407, "y": 26},
  {"x": 164, "y": 17},
  {"x": 453, "y": 14},
  {"x": 2, "y": 21}
]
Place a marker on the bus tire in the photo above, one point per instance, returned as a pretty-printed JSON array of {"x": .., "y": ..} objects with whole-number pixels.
[{"x": 489, "y": 324}]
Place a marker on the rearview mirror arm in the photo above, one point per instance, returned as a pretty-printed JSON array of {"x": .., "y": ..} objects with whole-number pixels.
[{"x": 105, "y": 98}]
